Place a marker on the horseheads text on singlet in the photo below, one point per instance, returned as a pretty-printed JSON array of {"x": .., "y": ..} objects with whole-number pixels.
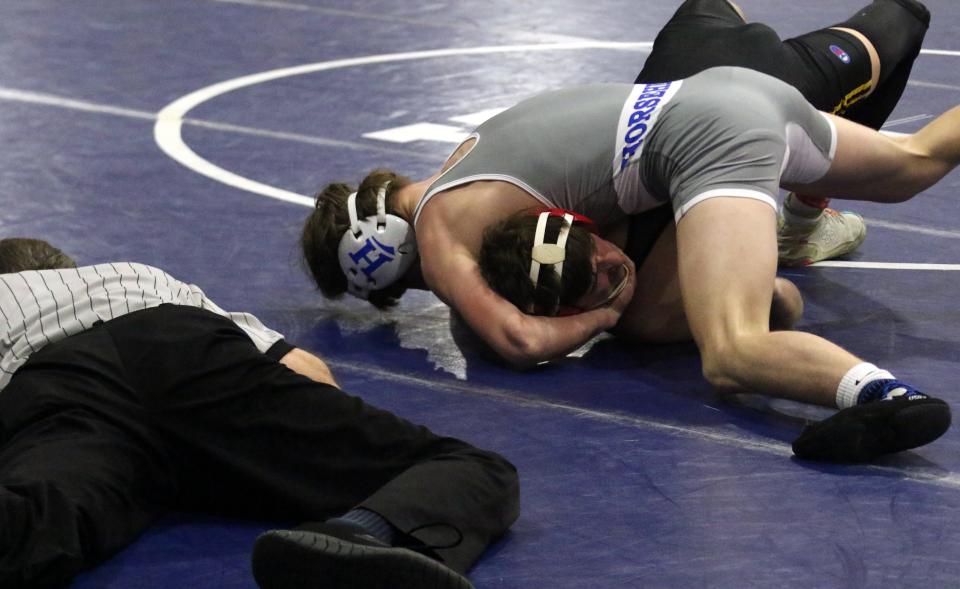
[{"x": 640, "y": 112}]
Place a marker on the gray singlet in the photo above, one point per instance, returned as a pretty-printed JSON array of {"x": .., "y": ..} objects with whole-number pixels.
[{"x": 611, "y": 150}]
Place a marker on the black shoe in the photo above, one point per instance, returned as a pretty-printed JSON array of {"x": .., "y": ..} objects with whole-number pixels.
[
  {"x": 332, "y": 556},
  {"x": 864, "y": 432}
]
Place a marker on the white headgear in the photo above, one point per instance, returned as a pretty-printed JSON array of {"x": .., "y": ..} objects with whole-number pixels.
[
  {"x": 376, "y": 251},
  {"x": 549, "y": 254},
  {"x": 554, "y": 255}
]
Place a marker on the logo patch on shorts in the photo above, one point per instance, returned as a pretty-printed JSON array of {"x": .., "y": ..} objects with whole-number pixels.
[{"x": 840, "y": 53}]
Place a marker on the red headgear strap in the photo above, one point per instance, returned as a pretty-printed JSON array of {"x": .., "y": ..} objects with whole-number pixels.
[
  {"x": 579, "y": 219},
  {"x": 556, "y": 254}
]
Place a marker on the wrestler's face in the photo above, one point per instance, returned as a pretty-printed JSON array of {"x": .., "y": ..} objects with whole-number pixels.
[{"x": 610, "y": 274}]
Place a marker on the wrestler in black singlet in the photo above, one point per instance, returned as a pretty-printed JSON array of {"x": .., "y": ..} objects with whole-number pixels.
[{"x": 830, "y": 68}]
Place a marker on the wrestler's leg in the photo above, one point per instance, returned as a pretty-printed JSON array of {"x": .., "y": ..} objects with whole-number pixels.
[
  {"x": 871, "y": 166},
  {"x": 656, "y": 315},
  {"x": 893, "y": 31},
  {"x": 708, "y": 33},
  {"x": 890, "y": 33},
  {"x": 856, "y": 68},
  {"x": 835, "y": 68},
  {"x": 727, "y": 258},
  {"x": 694, "y": 39}
]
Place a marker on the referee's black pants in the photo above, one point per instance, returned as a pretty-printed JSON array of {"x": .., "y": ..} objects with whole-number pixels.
[{"x": 174, "y": 408}]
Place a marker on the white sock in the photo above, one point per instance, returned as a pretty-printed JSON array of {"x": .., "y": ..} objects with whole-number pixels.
[{"x": 855, "y": 379}]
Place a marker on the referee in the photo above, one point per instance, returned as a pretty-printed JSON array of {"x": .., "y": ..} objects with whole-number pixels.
[{"x": 125, "y": 393}]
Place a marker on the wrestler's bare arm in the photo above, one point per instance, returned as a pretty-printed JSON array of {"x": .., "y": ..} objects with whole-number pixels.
[{"x": 453, "y": 275}]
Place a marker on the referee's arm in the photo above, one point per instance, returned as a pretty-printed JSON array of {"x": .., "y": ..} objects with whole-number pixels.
[
  {"x": 307, "y": 364},
  {"x": 302, "y": 362}
]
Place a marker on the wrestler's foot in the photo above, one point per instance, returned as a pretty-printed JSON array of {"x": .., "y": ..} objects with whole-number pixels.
[
  {"x": 864, "y": 432},
  {"x": 808, "y": 234},
  {"x": 335, "y": 556}
]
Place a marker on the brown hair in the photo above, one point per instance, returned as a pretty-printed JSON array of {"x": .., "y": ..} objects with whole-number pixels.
[
  {"x": 505, "y": 256},
  {"x": 323, "y": 229},
  {"x": 23, "y": 253}
]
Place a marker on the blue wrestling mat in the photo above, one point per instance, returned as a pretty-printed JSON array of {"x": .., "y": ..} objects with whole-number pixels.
[{"x": 189, "y": 134}]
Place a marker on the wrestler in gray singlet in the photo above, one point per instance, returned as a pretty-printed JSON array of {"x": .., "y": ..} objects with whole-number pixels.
[{"x": 611, "y": 150}]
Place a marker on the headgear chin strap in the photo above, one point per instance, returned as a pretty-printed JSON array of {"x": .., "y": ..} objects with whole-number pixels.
[{"x": 375, "y": 251}]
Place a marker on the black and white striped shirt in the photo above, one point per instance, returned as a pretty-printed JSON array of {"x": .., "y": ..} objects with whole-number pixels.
[{"x": 38, "y": 307}]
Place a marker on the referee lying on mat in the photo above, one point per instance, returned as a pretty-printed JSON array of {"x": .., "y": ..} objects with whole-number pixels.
[{"x": 125, "y": 393}]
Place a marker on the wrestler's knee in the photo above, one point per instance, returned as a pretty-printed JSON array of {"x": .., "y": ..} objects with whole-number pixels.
[
  {"x": 728, "y": 348},
  {"x": 917, "y": 9},
  {"x": 722, "y": 358},
  {"x": 787, "y": 306},
  {"x": 715, "y": 366}
]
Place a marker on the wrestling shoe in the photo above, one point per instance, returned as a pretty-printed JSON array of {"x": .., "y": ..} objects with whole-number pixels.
[
  {"x": 832, "y": 234},
  {"x": 866, "y": 431},
  {"x": 335, "y": 556}
]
